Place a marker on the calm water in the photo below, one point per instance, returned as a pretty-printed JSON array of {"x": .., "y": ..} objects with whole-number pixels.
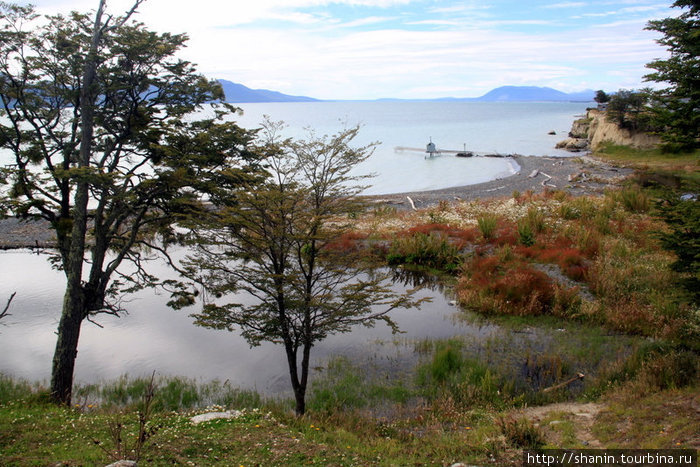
[
  {"x": 154, "y": 337},
  {"x": 501, "y": 127}
]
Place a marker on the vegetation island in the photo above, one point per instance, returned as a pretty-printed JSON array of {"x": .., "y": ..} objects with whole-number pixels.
[{"x": 603, "y": 268}]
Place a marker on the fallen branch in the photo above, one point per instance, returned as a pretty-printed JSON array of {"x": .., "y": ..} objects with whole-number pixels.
[
  {"x": 545, "y": 182},
  {"x": 565, "y": 383},
  {"x": 7, "y": 306}
]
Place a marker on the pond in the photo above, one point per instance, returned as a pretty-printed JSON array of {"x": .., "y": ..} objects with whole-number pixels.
[{"x": 154, "y": 337}]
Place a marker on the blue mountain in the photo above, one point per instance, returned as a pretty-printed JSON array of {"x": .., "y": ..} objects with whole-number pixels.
[
  {"x": 237, "y": 94},
  {"x": 529, "y": 94}
]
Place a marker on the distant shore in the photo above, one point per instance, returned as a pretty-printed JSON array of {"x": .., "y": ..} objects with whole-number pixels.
[{"x": 577, "y": 175}]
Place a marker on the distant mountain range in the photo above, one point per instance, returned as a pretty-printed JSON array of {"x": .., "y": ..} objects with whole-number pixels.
[
  {"x": 239, "y": 94},
  {"x": 530, "y": 94}
]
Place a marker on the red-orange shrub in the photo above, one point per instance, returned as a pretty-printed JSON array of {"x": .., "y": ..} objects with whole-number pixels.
[{"x": 349, "y": 241}]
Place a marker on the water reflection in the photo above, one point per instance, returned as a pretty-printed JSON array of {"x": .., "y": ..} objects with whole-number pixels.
[{"x": 154, "y": 337}]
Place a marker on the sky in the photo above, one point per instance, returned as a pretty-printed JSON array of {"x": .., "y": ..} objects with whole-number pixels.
[{"x": 368, "y": 49}]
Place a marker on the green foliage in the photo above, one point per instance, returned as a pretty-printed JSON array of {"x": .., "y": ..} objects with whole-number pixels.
[
  {"x": 530, "y": 225},
  {"x": 97, "y": 120},
  {"x": 447, "y": 361},
  {"x": 13, "y": 389},
  {"x": 683, "y": 238},
  {"x": 487, "y": 225},
  {"x": 343, "y": 387},
  {"x": 525, "y": 234},
  {"x": 274, "y": 242},
  {"x": 521, "y": 432},
  {"x": 601, "y": 97},
  {"x": 629, "y": 110},
  {"x": 431, "y": 250},
  {"x": 634, "y": 199},
  {"x": 464, "y": 381},
  {"x": 676, "y": 107}
]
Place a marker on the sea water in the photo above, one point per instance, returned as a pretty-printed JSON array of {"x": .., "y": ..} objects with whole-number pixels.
[{"x": 481, "y": 127}]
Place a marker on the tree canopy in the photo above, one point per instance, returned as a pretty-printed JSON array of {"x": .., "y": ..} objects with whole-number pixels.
[
  {"x": 266, "y": 253},
  {"x": 99, "y": 117},
  {"x": 677, "y": 107}
]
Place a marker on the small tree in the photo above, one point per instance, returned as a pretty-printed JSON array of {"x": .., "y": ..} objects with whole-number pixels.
[
  {"x": 683, "y": 238},
  {"x": 271, "y": 243},
  {"x": 677, "y": 111},
  {"x": 629, "y": 109},
  {"x": 97, "y": 114},
  {"x": 601, "y": 97}
]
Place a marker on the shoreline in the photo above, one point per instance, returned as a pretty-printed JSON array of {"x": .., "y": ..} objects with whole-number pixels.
[{"x": 580, "y": 175}]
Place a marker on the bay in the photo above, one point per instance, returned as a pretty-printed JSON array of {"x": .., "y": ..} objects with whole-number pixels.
[{"x": 482, "y": 127}]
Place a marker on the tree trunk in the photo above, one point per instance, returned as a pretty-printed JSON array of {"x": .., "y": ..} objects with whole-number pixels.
[
  {"x": 304, "y": 379},
  {"x": 299, "y": 389},
  {"x": 66, "y": 347},
  {"x": 74, "y": 301}
]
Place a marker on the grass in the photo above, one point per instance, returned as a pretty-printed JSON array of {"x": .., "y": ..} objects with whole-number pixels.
[{"x": 650, "y": 158}]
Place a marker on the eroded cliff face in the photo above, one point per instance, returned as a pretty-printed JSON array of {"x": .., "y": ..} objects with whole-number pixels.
[{"x": 593, "y": 130}]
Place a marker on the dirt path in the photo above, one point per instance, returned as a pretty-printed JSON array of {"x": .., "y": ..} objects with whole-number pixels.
[{"x": 581, "y": 415}]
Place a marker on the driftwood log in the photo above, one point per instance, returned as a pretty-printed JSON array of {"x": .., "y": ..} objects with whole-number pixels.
[
  {"x": 411, "y": 202},
  {"x": 565, "y": 383}
]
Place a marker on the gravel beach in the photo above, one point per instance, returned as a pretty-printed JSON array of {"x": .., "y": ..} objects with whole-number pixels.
[{"x": 577, "y": 175}]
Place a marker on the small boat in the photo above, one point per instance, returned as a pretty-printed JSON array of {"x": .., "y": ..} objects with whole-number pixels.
[{"x": 465, "y": 154}]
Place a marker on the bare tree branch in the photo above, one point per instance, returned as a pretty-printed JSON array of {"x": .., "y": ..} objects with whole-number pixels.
[{"x": 4, "y": 312}]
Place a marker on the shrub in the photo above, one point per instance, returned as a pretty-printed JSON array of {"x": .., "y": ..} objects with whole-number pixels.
[
  {"x": 512, "y": 288},
  {"x": 634, "y": 199},
  {"x": 520, "y": 432},
  {"x": 433, "y": 250},
  {"x": 535, "y": 219},
  {"x": 487, "y": 225},
  {"x": 525, "y": 234}
]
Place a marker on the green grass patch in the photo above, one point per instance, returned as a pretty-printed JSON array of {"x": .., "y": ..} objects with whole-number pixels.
[{"x": 647, "y": 157}]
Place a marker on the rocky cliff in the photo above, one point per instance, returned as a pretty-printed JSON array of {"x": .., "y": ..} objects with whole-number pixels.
[{"x": 594, "y": 129}]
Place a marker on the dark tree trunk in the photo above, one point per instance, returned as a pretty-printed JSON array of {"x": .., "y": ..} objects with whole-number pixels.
[
  {"x": 299, "y": 389},
  {"x": 66, "y": 349},
  {"x": 74, "y": 301}
]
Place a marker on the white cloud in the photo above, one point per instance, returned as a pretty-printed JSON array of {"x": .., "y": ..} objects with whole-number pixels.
[{"x": 329, "y": 57}]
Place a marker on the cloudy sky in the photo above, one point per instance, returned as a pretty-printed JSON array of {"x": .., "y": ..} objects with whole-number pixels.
[{"x": 366, "y": 49}]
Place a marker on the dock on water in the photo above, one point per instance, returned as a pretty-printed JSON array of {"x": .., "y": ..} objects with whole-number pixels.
[{"x": 451, "y": 152}]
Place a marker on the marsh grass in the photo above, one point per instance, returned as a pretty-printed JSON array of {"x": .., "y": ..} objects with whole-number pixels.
[
  {"x": 634, "y": 199},
  {"x": 432, "y": 250},
  {"x": 344, "y": 387},
  {"x": 520, "y": 432},
  {"x": 487, "y": 225},
  {"x": 174, "y": 393}
]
